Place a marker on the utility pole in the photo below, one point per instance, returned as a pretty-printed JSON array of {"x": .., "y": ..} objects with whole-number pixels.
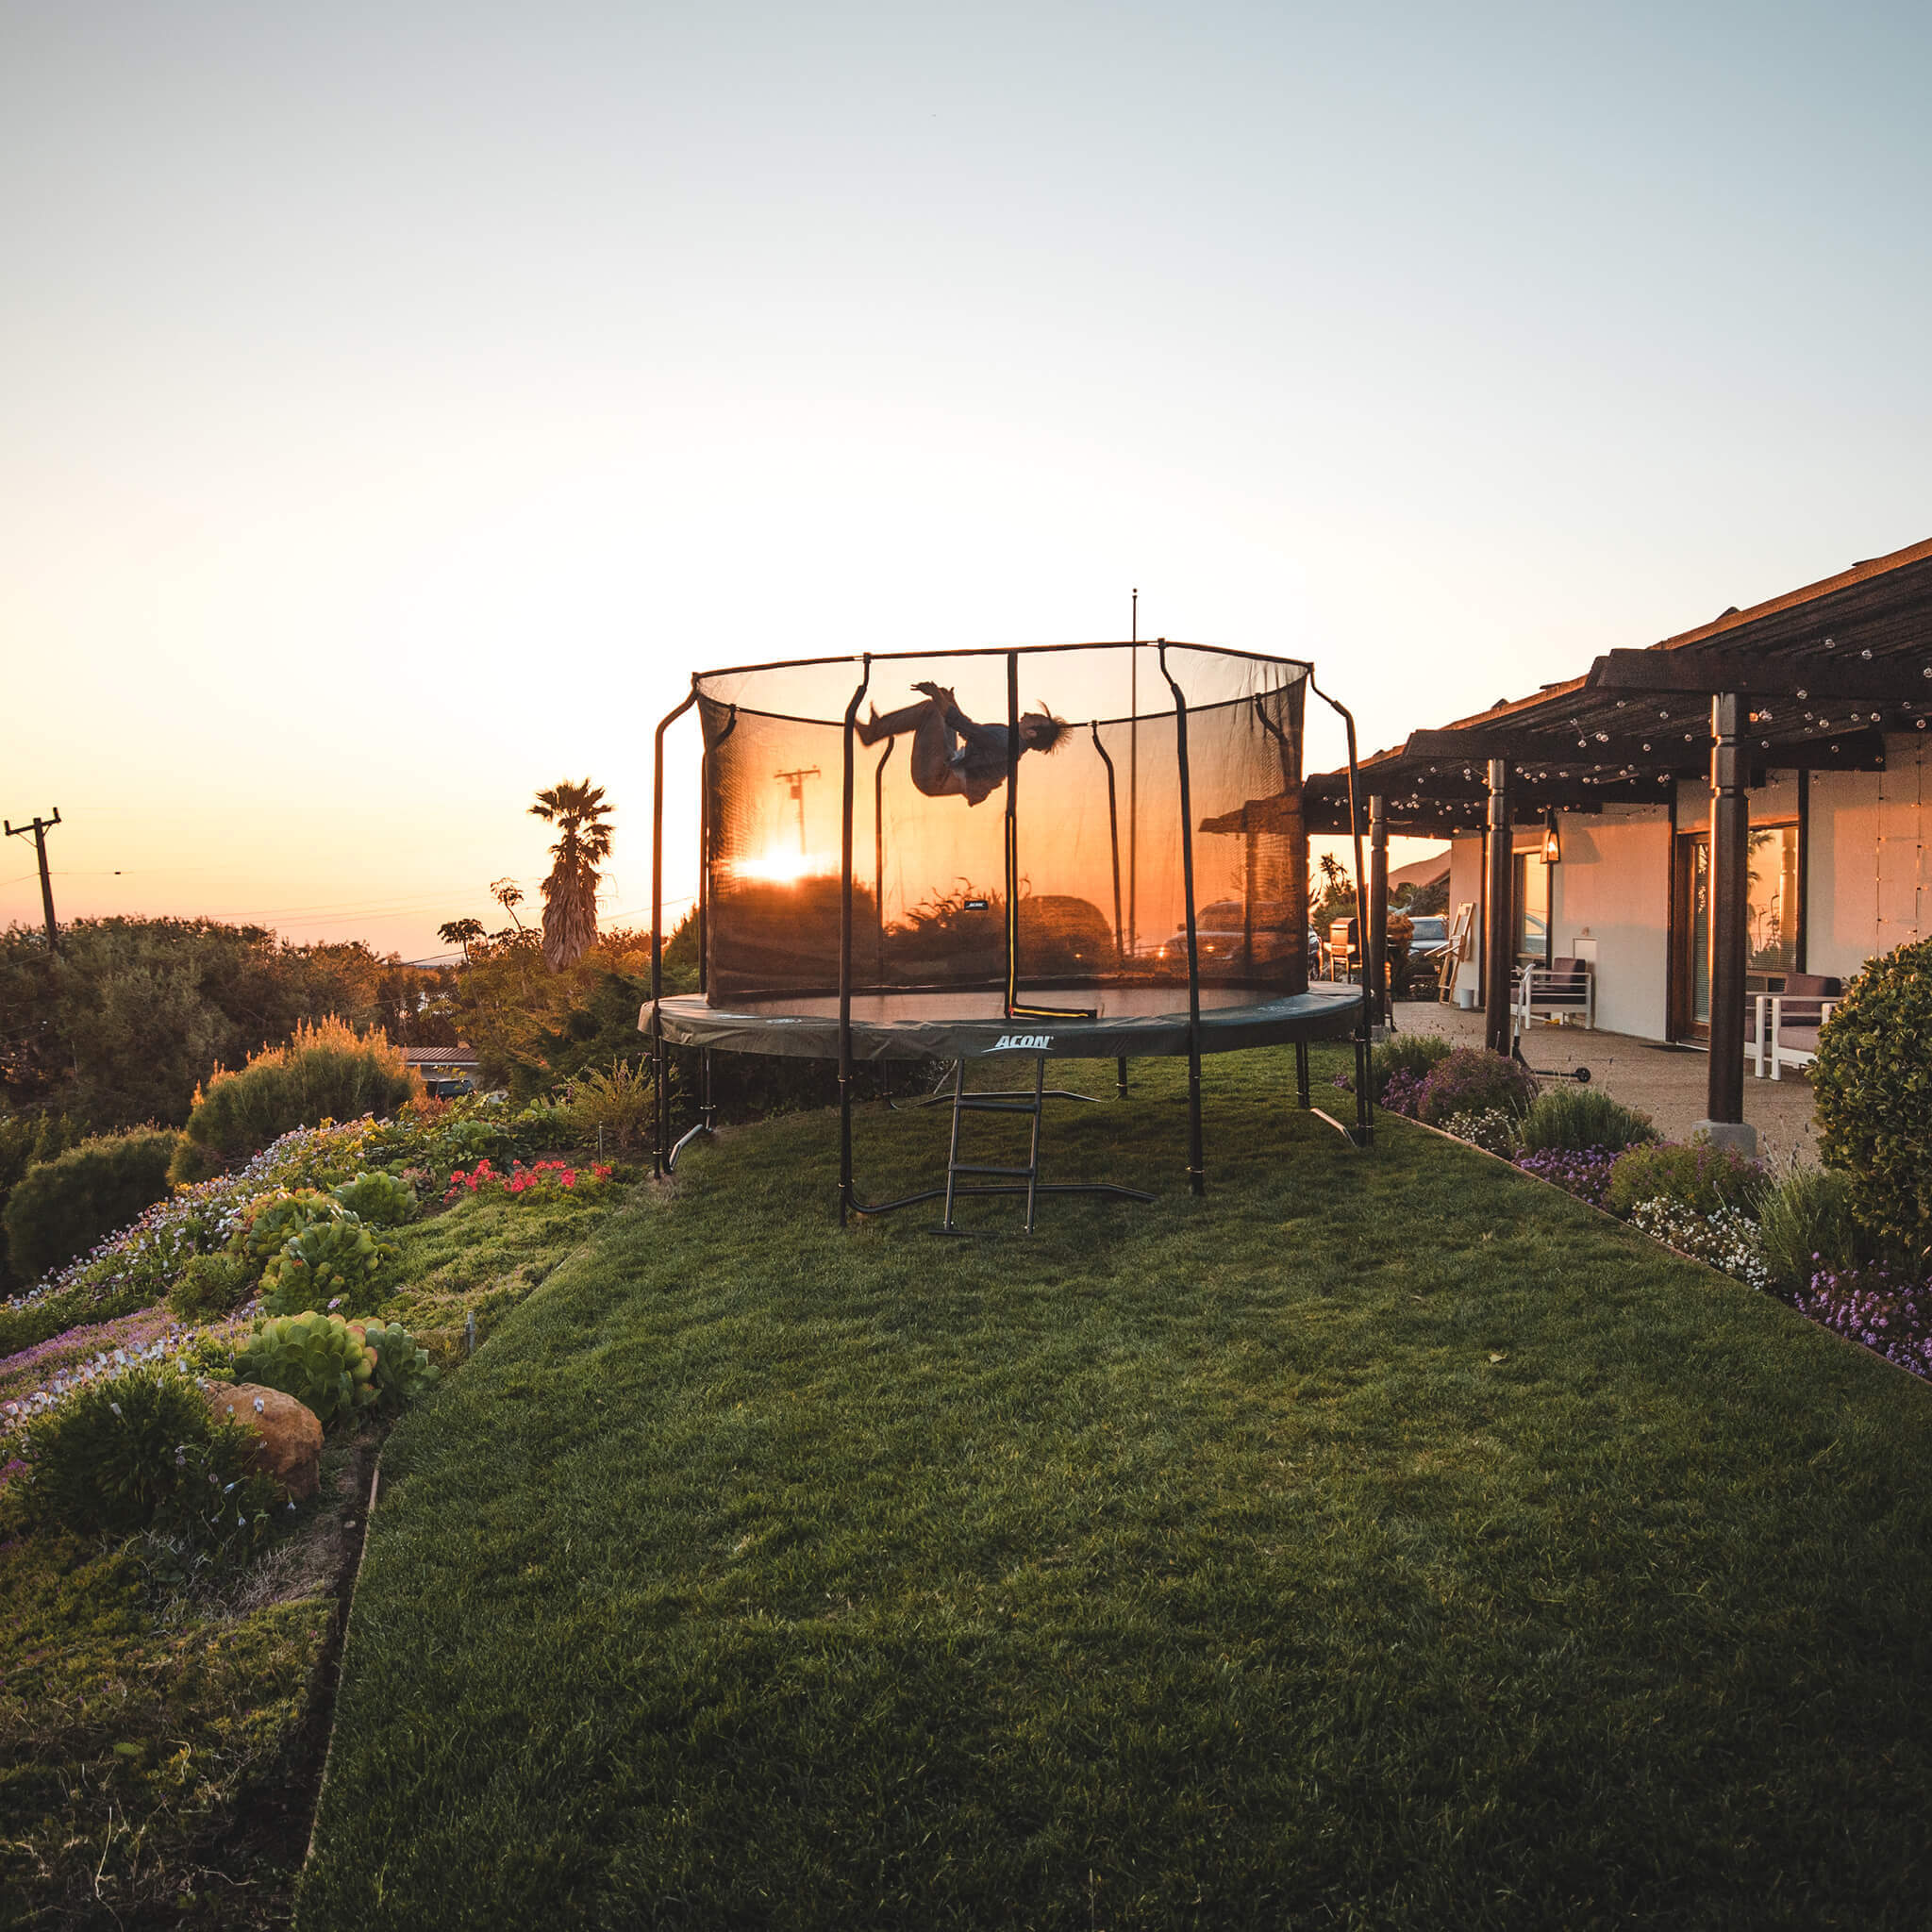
[
  {"x": 796, "y": 781},
  {"x": 39, "y": 829}
]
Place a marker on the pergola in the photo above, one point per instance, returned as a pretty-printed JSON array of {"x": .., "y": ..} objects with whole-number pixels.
[{"x": 1809, "y": 681}]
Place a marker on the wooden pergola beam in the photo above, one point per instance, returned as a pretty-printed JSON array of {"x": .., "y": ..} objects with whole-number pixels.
[
  {"x": 1833, "y": 676},
  {"x": 1667, "y": 749}
]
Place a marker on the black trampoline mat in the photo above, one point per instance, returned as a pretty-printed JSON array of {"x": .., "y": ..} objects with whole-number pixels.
[{"x": 1131, "y": 1020}]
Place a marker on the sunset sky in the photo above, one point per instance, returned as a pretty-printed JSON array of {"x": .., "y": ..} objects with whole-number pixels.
[{"x": 399, "y": 402}]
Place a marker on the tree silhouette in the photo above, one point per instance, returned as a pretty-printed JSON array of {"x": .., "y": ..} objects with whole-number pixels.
[
  {"x": 460, "y": 932},
  {"x": 509, "y": 895},
  {"x": 570, "y": 893}
]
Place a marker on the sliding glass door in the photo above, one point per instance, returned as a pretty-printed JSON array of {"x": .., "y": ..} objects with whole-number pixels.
[{"x": 1771, "y": 944}]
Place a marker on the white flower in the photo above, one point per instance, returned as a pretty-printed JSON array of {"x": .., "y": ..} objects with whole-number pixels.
[{"x": 261, "y": 1407}]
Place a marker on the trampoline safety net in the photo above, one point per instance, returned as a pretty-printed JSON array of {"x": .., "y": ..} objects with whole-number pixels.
[{"x": 1095, "y": 870}]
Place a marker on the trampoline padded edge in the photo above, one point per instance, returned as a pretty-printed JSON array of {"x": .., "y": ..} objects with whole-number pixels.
[{"x": 688, "y": 1020}]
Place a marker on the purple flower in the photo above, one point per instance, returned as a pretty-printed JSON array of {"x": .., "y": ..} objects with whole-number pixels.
[{"x": 1584, "y": 1172}]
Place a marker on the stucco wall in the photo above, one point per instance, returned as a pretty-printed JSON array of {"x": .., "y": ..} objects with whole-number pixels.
[
  {"x": 1775, "y": 799},
  {"x": 1614, "y": 887},
  {"x": 1867, "y": 879}
]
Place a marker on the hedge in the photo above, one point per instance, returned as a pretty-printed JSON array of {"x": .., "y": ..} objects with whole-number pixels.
[{"x": 61, "y": 1207}]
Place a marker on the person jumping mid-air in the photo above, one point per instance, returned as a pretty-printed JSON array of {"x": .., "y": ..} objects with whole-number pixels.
[{"x": 951, "y": 755}]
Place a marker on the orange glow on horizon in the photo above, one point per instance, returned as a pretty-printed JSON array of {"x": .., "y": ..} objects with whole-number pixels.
[{"x": 782, "y": 868}]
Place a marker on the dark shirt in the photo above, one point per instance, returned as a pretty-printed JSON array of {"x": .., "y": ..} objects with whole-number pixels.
[{"x": 982, "y": 754}]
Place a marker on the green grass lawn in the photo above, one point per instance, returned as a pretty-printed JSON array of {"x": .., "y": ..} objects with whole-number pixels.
[{"x": 1386, "y": 1541}]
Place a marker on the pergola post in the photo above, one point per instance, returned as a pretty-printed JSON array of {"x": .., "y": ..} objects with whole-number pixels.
[
  {"x": 1498, "y": 923},
  {"x": 1730, "y": 859},
  {"x": 1375, "y": 926}
]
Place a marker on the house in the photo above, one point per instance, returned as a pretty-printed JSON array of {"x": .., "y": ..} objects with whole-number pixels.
[
  {"x": 1424, "y": 875},
  {"x": 446, "y": 1071},
  {"x": 1700, "y": 819}
]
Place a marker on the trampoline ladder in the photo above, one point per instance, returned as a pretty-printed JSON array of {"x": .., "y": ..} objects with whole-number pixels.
[{"x": 965, "y": 1102}]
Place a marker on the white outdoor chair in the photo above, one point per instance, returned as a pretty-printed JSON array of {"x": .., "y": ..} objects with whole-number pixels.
[
  {"x": 1562, "y": 988},
  {"x": 1787, "y": 1023}
]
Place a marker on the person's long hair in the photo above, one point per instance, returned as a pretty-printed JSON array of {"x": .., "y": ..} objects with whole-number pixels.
[{"x": 1049, "y": 733}]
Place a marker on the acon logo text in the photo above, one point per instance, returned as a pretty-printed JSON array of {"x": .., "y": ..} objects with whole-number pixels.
[{"x": 1027, "y": 1042}]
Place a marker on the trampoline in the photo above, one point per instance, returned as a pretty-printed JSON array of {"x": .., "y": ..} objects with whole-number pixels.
[{"x": 1020, "y": 853}]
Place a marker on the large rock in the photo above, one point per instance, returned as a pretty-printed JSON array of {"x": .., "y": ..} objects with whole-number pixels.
[{"x": 288, "y": 1434}]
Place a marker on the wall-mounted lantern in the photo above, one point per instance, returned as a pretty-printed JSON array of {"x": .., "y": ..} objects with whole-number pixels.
[{"x": 1553, "y": 843}]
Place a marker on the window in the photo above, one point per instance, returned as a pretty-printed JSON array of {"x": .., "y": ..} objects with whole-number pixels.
[
  {"x": 1772, "y": 912},
  {"x": 1532, "y": 910}
]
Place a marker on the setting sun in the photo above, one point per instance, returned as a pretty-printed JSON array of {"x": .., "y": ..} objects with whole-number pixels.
[{"x": 784, "y": 868}]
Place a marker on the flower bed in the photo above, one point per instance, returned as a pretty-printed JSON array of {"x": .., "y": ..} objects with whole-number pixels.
[
  {"x": 1702, "y": 1201},
  {"x": 1876, "y": 1309},
  {"x": 542, "y": 1180},
  {"x": 1582, "y": 1171}
]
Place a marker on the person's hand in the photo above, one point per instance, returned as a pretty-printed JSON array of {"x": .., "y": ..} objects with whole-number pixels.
[{"x": 937, "y": 692}]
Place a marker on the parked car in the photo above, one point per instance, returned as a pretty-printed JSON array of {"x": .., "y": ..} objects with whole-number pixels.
[
  {"x": 1431, "y": 935},
  {"x": 1428, "y": 942},
  {"x": 1222, "y": 933}
]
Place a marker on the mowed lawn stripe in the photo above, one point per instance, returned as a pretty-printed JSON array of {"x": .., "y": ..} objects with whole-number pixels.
[{"x": 1385, "y": 1541}]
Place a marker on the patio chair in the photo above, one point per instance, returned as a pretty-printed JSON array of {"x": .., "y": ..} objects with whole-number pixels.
[
  {"x": 1344, "y": 951},
  {"x": 1560, "y": 990},
  {"x": 1787, "y": 1023}
]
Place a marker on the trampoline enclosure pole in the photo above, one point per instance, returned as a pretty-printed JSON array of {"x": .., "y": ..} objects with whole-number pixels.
[
  {"x": 657, "y": 1065},
  {"x": 1113, "y": 833},
  {"x": 878, "y": 856},
  {"x": 1012, "y": 831},
  {"x": 705, "y": 852},
  {"x": 1197, "y": 1175},
  {"x": 1364, "y": 1100},
  {"x": 1375, "y": 929},
  {"x": 846, "y": 953}
]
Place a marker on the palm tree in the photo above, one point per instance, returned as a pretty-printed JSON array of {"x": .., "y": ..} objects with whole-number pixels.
[{"x": 570, "y": 893}]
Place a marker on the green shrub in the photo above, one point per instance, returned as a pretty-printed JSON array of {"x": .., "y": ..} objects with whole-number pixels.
[
  {"x": 1693, "y": 1174},
  {"x": 211, "y": 1358},
  {"x": 275, "y": 1220},
  {"x": 25, "y": 1139},
  {"x": 319, "y": 1359},
  {"x": 1808, "y": 1224},
  {"x": 382, "y": 1200},
  {"x": 60, "y": 1207},
  {"x": 1474, "y": 1081},
  {"x": 1416, "y": 1053},
  {"x": 138, "y": 1450},
  {"x": 330, "y": 1264},
  {"x": 209, "y": 1284},
  {"x": 1872, "y": 1087},
  {"x": 326, "y": 1072},
  {"x": 402, "y": 1369},
  {"x": 1575, "y": 1119},
  {"x": 193, "y": 1163},
  {"x": 619, "y": 1106},
  {"x": 548, "y": 1123}
]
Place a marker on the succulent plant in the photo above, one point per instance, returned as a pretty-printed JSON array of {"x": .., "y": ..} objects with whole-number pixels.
[
  {"x": 276, "y": 1218},
  {"x": 403, "y": 1370},
  {"x": 327, "y": 1264},
  {"x": 382, "y": 1200},
  {"x": 319, "y": 1359}
]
